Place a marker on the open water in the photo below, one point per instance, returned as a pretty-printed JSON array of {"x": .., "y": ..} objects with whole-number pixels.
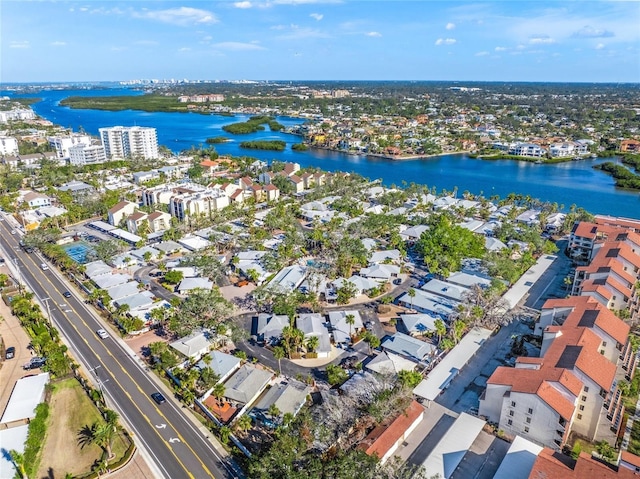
[{"x": 574, "y": 182}]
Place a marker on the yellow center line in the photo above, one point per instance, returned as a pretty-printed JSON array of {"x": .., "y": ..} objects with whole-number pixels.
[{"x": 123, "y": 388}]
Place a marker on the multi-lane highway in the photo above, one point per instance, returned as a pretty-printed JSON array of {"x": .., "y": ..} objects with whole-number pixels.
[{"x": 178, "y": 448}]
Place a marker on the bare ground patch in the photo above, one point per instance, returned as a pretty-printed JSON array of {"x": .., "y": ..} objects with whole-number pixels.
[{"x": 71, "y": 410}]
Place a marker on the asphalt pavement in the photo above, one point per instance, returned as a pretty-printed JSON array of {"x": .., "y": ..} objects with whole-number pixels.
[{"x": 175, "y": 445}]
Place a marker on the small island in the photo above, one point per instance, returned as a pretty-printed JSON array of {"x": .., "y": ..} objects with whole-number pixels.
[
  {"x": 625, "y": 178},
  {"x": 299, "y": 147},
  {"x": 253, "y": 125},
  {"x": 269, "y": 145},
  {"x": 217, "y": 139}
]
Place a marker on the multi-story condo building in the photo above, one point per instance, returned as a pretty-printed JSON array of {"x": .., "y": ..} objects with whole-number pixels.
[
  {"x": 526, "y": 149},
  {"x": 612, "y": 275},
  {"x": 16, "y": 114},
  {"x": 127, "y": 142},
  {"x": 198, "y": 203},
  {"x": 572, "y": 386},
  {"x": 63, "y": 143},
  {"x": 80, "y": 155},
  {"x": 8, "y": 145}
]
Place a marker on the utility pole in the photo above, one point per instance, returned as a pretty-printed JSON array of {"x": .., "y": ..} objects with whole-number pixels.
[
  {"x": 46, "y": 302},
  {"x": 18, "y": 277}
]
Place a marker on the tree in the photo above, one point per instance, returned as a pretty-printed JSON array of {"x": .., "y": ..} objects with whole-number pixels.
[
  {"x": 444, "y": 245},
  {"x": 350, "y": 319},
  {"x": 173, "y": 276},
  {"x": 372, "y": 340},
  {"x": 279, "y": 353},
  {"x": 484, "y": 308},
  {"x": 243, "y": 423},
  {"x": 336, "y": 375},
  {"x": 273, "y": 411},
  {"x": 18, "y": 462},
  {"x": 441, "y": 329},
  {"x": 218, "y": 391},
  {"x": 412, "y": 294},
  {"x": 409, "y": 379},
  {"x": 312, "y": 344},
  {"x": 204, "y": 308},
  {"x": 345, "y": 292}
]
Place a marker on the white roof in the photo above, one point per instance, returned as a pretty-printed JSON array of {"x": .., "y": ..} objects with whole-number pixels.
[
  {"x": 380, "y": 256},
  {"x": 97, "y": 268},
  {"x": 519, "y": 459},
  {"x": 440, "y": 376},
  {"x": 221, "y": 363},
  {"x": 288, "y": 279},
  {"x": 468, "y": 280},
  {"x": 250, "y": 255},
  {"x": 143, "y": 299},
  {"x": 380, "y": 271},
  {"x": 445, "y": 289},
  {"x": 312, "y": 324},
  {"x": 418, "y": 323},
  {"x": 125, "y": 235},
  {"x": 414, "y": 231},
  {"x": 108, "y": 280},
  {"x": 187, "y": 284},
  {"x": 493, "y": 244},
  {"x": 26, "y": 395},
  {"x": 527, "y": 280},
  {"x": 448, "y": 453},
  {"x": 12, "y": 439},
  {"x": 123, "y": 290},
  {"x": 389, "y": 363},
  {"x": 194, "y": 243},
  {"x": 361, "y": 284},
  {"x": 102, "y": 225},
  {"x": 338, "y": 320},
  {"x": 193, "y": 345},
  {"x": 168, "y": 246},
  {"x": 427, "y": 302},
  {"x": 408, "y": 346}
]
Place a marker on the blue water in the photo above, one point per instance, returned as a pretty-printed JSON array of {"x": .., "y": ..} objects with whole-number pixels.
[
  {"x": 569, "y": 183},
  {"x": 77, "y": 251}
]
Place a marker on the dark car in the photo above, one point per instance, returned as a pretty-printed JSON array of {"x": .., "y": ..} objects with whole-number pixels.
[
  {"x": 66, "y": 294},
  {"x": 35, "y": 363},
  {"x": 158, "y": 397},
  {"x": 10, "y": 353}
]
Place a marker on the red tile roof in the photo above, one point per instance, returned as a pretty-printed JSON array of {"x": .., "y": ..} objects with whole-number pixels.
[
  {"x": 380, "y": 441},
  {"x": 553, "y": 465}
]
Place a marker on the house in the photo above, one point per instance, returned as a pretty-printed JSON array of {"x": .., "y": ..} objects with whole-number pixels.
[
  {"x": 288, "y": 397},
  {"x": 78, "y": 189},
  {"x": 413, "y": 233},
  {"x": 361, "y": 284},
  {"x": 425, "y": 302},
  {"x": 135, "y": 220},
  {"x": 297, "y": 182},
  {"x": 468, "y": 280},
  {"x": 392, "y": 255},
  {"x": 417, "y": 324},
  {"x": 159, "y": 221},
  {"x": 120, "y": 211},
  {"x": 140, "y": 177},
  {"x": 269, "y": 327},
  {"x": 340, "y": 329},
  {"x": 493, "y": 244},
  {"x": 290, "y": 168},
  {"x": 383, "y": 441},
  {"x": 381, "y": 272},
  {"x": 188, "y": 284},
  {"x": 409, "y": 347},
  {"x": 271, "y": 192},
  {"x": 445, "y": 289},
  {"x": 312, "y": 324},
  {"x": 123, "y": 290},
  {"x": 389, "y": 363},
  {"x": 245, "y": 385},
  {"x": 288, "y": 279},
  {"x": 35, "y": 200},
  {"x": 222, "y": 364},
  {"x": 195, "y": 345}
]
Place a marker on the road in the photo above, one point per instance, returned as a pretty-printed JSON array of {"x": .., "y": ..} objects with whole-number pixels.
[
  {"x": 176, "y": 446},
  {"x": 142, "y": 275}
]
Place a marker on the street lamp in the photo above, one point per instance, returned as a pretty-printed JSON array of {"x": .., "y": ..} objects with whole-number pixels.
[
  {"x": 18, "y": 277},
  {"x": 46, "y": 302}
]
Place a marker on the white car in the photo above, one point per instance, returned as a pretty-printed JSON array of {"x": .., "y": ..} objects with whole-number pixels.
[
  {"x": 102, "y": 333},
  {"x": 44, "y": 267},
  {"x": 13, "y": 232}
]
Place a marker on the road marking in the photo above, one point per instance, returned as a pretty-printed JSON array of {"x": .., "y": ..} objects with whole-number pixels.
[
  {"x": 161, "y": 426},
  {"x": 174, "y": 439}
]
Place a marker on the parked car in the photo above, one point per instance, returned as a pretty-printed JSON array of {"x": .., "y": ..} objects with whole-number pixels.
[
  {"x": 35, "y": 363},
  {"x": 44, "y": 267},
  {"x": 158, "y": 398},
  {"x": 66, "y": 294},
  {"x": 10, "y": 352}
]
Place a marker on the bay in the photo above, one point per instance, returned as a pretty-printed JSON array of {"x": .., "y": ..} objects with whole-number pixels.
[{"x": 574, "y": 182}]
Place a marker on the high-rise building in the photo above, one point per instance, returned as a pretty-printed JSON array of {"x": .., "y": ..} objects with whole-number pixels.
[
  {"x": 80, "y": 155},
  {"x": 63, "y": 143},
  {"x": 131, "y": 141}
]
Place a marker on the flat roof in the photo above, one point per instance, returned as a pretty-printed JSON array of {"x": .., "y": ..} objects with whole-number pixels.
[
  {"x": 102, "y": 226},
  {"x": 450, "y": 450},
  {"x": 438, "y": 379},
  {"x": 12, "y": 439},
  {"x": 527, "y": 280},
  {"x": 519, "y": 459},
  {"x": 27, "y": 393}
]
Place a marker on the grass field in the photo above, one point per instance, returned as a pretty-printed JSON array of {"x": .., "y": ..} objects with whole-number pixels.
[{"x": 70, "y": 411}]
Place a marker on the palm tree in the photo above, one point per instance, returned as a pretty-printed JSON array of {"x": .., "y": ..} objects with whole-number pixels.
[
  {"x": 279, "y": 353},
  {"x": 218, "y": 392},
  {"x": 99, "y": 434},
  {"x": 312, "y": 344},
  {"x": 244, "y": 423},
  {"x": 350, "y": 319},
  {"x": 372, "y": 340},
  {"x": 412, "y": 294},
  {"x": 18, "y": 462},
  {"x": 441, "y": 329}
]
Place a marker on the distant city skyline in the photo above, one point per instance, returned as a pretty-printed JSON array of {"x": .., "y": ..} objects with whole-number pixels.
[{"x": 558, "y": 41}]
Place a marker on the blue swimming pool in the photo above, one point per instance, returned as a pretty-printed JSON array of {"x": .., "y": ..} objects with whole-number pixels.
[{"x": 78, "y": 251}]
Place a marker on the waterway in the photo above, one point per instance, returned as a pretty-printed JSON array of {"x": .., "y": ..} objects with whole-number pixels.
[{"x": 574, "y": 182}]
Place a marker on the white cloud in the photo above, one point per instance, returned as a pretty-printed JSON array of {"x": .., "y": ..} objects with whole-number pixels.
[
  {"x": 184, "y": 49},
  {"x": 237, "y": 46},
  {"x": 446, "y": 41},
  {"x": 243, "y": 4},
  {"x": 20, "y": 44},
  {"x": 317, "y": 16},
  {"x": 182, "y": 16},
  {"x": 482, "y": 54},
  {"x": 58, "y": 44},
  {"x": 541, "y": 40},
  {"x": 589, "y": 32},
  {"x": 599, "y": 46},
  {"x": 296, "y": 33},
  {"x": 373, "y": 34},
  {"x": 450, "y": 26},
  {"x": 500, "y": 49}
]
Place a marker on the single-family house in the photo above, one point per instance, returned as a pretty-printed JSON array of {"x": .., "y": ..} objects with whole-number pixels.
[
  {"x": 222, "y": 364},
  {"x": 245, "y": 385},
  {"x": 409, "y": 347},
  {"x": 418, "y": 324},
  {"x": 188, "y": 284},
  {"x": 268, "y": 327},
  {"x": 392, "y": 255},
  {"x": 288, "y": 397},
  {"x": 381, "y": 272},
  {"x": 312, "y": 324},
  {"x": 341, "y": 330},
  {"x": 389, "y": 363},
  {"x": 195, "y": 345}
]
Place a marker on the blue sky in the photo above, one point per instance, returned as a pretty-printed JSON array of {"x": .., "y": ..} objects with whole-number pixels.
[{"x": 320, "y": 40}]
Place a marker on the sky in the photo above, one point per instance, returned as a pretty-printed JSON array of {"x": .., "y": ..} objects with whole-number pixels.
[{"x": 507, "y": 40}]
